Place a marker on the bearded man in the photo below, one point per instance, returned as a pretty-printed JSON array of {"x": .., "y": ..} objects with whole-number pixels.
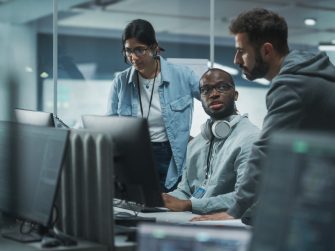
[{"x": 301, "y": 96}]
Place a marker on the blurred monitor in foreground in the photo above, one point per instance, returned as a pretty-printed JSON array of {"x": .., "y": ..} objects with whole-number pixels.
[
  {"x": 162, "y": 237},
  {"x": 297, "y": 202},
  {"x": 36, "y": 118},
  {"x": 30, "y": 165},
  {"x": 135, "y": 171}
]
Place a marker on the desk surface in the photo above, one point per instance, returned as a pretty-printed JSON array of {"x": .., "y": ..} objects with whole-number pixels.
[
  {"x": 163, "y": 216},
  {"x": 182, "y": 217},
  {"x": 120, "y": 243}
]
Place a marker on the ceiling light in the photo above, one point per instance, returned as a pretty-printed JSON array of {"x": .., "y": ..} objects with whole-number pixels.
[
  {"x": 326, "y": 46},
  {"x": 230, "y": 70},
  {"x": 261, "y": 81},
  {"x": 310, "y": 21},
  {"x": 44, "y": 75},
  {"x": 28, "y": 69}
]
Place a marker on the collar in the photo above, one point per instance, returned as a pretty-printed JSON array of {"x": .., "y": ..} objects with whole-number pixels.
[
  {"x": 231, "y": 117},
  {"x": 165, "y": 73}
]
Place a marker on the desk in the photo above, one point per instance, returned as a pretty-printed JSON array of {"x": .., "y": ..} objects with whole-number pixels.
[
  {"x": 163, "y": 216},
  {"x": 180, "y": 217},
  {"x": 120, "y": 241}
]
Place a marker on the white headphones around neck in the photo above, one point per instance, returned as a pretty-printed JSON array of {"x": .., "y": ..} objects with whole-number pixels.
[{"x": 221, "y": 129}]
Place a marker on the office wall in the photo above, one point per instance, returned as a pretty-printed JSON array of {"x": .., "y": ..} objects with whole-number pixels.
[
  {"x": 331, "y": 55},
  {"x": 17, "y": 68}
]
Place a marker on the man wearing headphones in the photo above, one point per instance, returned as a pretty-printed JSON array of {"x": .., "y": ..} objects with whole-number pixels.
[{"x": 216, "y": 158}]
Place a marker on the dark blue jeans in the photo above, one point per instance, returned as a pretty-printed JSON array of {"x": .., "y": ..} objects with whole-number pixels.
[{"x": 163, "y": 155}]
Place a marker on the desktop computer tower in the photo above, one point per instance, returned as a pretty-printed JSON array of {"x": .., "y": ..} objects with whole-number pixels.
[{"x": 85, "y": 195}]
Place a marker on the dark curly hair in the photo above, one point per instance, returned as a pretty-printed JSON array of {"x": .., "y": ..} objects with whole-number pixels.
[
  {"x": 262, "y": 26},
  {"x": 232, "y": 82}
]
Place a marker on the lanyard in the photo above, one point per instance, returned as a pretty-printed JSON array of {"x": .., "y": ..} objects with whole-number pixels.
[
  {"x": 152, "y": 91},
  {"x": 208, "y": 157}
]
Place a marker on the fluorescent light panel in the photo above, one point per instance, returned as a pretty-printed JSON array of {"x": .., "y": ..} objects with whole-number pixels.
[
  {"x": 310, "y": 21},
  {"x": 230, "y": 70},
  {"x": 261, "y": 81},
  {"x": 326, "y": 47}
]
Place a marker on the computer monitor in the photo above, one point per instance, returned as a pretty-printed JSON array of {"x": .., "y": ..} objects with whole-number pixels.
[
  {"x": 296, "y": 210},
  {"x": 135, "y": 172},
  {"x": 30, "y": 165},
  {"x": 163, "y": 237},
  {"x": 36, "y": 118}
]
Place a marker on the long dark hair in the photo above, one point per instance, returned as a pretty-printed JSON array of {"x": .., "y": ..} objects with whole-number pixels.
[{"x": 140, "y": 29}]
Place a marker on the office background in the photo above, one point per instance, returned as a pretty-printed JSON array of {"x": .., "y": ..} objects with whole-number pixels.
[{"x": 89, "y": 45}]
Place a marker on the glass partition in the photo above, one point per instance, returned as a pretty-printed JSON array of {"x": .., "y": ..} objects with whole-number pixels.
[
  {"x": 18, "y": 50},
  {"x": 89, "y": 45},
  {"x": 89, "y": 48}
]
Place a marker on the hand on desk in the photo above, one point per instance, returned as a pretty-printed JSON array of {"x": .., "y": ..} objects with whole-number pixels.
[
  {"x": 176, "y": 204},
  {"x": 218, "y": 216}
]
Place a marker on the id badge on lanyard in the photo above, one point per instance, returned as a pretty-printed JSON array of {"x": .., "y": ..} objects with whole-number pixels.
[{"x": 200, "y": 192}]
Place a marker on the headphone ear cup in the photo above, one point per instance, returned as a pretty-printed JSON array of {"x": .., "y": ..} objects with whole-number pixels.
[
  {"x": 221, "y": 129},
  {"x": 206, "y": 131}
]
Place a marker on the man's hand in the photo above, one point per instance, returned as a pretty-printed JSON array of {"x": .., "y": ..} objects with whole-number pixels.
[
  {"x": 219, "y": 216},
  {"x": 176, "y": 204}
]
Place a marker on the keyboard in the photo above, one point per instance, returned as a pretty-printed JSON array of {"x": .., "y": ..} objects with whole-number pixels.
[{"x": 138, "y": 208}]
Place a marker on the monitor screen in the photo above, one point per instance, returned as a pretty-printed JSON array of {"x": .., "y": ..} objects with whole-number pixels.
[
  {"x": 135, "y": 171},
  {"x": 163, "y": 237},
  {"x": 296, "y": 209},
  {"x": 36, "y": 118},
  {"x": 30, "y": 165}
]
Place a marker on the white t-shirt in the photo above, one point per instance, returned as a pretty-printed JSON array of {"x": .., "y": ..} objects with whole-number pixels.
[{"x": 157, "y": 128}]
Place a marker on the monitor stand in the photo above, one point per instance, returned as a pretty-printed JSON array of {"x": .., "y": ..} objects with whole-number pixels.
[{"x": 16, "y": 235}]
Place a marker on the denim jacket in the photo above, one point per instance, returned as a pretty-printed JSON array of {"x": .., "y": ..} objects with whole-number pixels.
[{"x": 176, "y": 92}]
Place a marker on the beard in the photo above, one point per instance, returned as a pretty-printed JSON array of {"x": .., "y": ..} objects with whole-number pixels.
[
  {"x": 260, "y": 69},
  {"x": 229, "y": 110}
]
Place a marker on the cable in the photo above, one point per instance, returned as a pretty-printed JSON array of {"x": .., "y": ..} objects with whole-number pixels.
[
  {"x": 21, "y": 228},
  {"x": 132, "y": 209},
  {"x": 120, "y": 202}
]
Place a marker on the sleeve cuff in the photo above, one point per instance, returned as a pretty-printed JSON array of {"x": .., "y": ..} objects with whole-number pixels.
[
  {"x": 237, "y": 210},
  {"x": 179, "y": 195},
  {"x": 199, "y": 206}
]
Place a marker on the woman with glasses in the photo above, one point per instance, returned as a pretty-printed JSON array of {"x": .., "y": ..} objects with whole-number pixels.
[{"x": 159, "y": 91}]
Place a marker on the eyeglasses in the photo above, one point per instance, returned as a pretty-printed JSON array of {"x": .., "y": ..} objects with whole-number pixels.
[
  {"x": 138, "y": 52},
  {"x": 219, "y": 87}
]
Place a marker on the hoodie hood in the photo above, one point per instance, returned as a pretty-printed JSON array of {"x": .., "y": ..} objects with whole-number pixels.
[{"x": 306, "y": 64}]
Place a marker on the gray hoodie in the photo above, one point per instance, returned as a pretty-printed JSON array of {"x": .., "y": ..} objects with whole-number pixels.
[{"x": 301, "y": 97}]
